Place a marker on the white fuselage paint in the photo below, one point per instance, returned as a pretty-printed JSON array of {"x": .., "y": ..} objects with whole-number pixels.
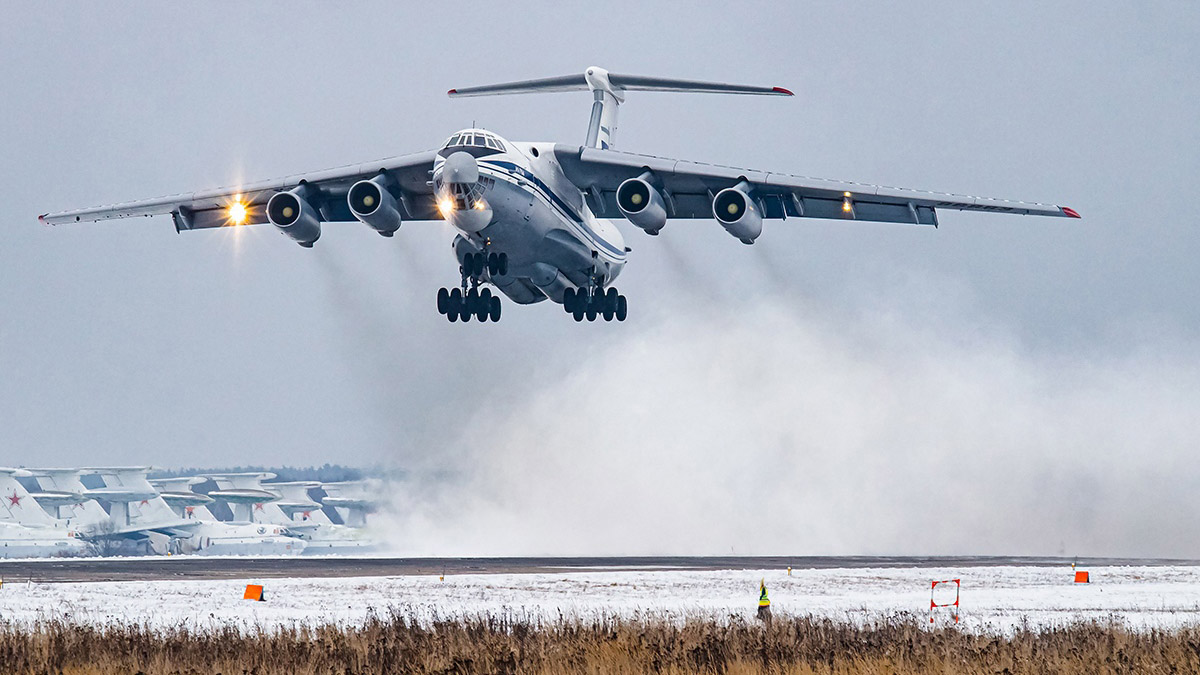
[{"x": 541, "y": 221}]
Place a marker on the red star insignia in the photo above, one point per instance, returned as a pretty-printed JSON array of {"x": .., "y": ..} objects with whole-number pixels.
[
  {"x": 258, "y": 507},
  {"x": 189, "y": 509},
  {"x": 14, "y": 499},
  {"x": 145, "y": 502},
  {"x": 306, "y": 515}
]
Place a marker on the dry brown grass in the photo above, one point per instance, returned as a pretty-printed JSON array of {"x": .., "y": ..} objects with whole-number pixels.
[{"x": 398, "y": 644}]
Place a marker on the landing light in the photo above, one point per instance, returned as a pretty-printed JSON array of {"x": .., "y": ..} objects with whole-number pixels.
[
  {"x": 237, "y": 212},
  {"x": 446, "y": 206},
  {"x": 479, "y": 205}
]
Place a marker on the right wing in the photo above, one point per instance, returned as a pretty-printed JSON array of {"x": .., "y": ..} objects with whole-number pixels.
[
  {"x": 689, "y": 188},
  {"x": 408, "y": 175}
]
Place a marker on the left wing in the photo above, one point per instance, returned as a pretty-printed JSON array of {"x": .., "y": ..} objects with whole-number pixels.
[
  {"x": 688, "y": 188},
  {"x": 408, "y": 181}
]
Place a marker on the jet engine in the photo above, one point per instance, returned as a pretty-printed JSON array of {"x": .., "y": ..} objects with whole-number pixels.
[
  {"x": 738, "y": 213},
  {"x": 372, "y": 204},
  {"x": 294, "y": 216},
  {"x": 642, "y": 204}
]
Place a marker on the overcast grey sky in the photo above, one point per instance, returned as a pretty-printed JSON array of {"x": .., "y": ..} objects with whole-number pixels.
[{"x": 1046, "y": 371}]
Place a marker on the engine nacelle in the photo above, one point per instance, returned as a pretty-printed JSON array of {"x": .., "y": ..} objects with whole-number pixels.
[
  {"x": 295, "y": 217},
  {"x": 642, "y": 204},
  {"x": 738, "y": 213},
  {"x": 372, "y": 204}
]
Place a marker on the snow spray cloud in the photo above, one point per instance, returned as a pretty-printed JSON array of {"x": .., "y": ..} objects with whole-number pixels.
[{"x": 774, "y": 428}]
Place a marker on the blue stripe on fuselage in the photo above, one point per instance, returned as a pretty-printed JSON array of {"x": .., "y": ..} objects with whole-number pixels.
[{"x": 521, "y": 172}]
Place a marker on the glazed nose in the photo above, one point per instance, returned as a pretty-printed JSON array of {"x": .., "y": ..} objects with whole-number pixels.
[{"x": 460, "y": 168}]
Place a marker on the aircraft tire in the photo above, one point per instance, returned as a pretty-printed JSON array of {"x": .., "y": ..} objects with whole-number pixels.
[
  {"x": 494, "y": 309},
  {"x": 577, "y": 311},
  {"x": 592, "y": 310},
  {"x": 493, "y": 265},
  {"x": 480, "y": 264},
  {"x": 443, "y": 300},
  {"x": 502, "y": 264},
  {"x": 622, "y": 308},
  {"x": 483, "y": 305},
  {"x": 610, "y": 300},
  {"x": 569, "y": 300}
]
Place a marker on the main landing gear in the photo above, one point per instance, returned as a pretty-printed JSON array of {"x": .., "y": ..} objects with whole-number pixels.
[
  {"x": 595, "y": 303},
  {"x": 469, "y": 300}
]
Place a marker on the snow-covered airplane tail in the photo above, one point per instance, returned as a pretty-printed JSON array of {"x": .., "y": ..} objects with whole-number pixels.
[
  {"x": 351, "y": 499},
  {"x": 245, "y": 494},
  {"x": 16, "y": 504},
  {"x": 133, "y": 500},
  {"x": 296, "y": 504},
  {"x": 178, "y": 494},
  {"x": 608, "y": 93},
  {"x": 64, "y": 494}
]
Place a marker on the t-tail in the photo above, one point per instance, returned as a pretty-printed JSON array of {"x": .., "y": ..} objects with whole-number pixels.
[{"x": 608, "y": 93}]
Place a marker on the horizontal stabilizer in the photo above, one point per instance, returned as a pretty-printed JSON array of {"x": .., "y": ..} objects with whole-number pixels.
[{"x": 598, "y": 78}]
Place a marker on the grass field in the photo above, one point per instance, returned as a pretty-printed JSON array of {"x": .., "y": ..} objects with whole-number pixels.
[{"x": 403, "y": 644}]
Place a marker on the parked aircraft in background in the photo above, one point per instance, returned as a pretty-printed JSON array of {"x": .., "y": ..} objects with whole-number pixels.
[
  {"x": 289, "y": 504},
  {"x": 26, "y": 529},
  {"x": 209, "y": 536},
  {"x": 533, "y": 220}
]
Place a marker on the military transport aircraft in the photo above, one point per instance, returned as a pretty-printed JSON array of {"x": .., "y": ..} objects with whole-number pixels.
[{"x": 534, "y": 219}]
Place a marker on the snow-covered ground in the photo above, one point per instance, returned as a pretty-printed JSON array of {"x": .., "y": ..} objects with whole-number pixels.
[{"x": 993, "y": 598}]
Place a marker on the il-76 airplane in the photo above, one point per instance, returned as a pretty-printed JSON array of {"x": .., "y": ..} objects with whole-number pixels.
[{"x": 535, "y": 220}]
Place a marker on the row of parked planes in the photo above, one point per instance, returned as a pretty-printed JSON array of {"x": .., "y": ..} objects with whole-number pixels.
[{"x": 53, "y": 513}]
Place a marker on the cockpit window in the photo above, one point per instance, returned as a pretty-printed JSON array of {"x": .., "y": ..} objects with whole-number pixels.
[{"x": 475, "y": 142}]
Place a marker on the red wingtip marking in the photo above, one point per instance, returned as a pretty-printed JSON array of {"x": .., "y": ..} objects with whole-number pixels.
[
  {"x": 781, "y": 90},
  {"x": 1071, "y": 212},
  {"x": 42, "y": 218},
  {"x": 452, "y": 92}
]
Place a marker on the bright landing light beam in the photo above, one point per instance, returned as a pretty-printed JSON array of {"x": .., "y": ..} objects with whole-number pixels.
[{"x": 237, "y": 212}]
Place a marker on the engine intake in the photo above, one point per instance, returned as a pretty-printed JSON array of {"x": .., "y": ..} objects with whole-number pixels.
[
  {"x": 737, "y": 212},
  {"x": 295, "y": 217},
  {"x": 372, "y": 204},
  {"x": 642, "y": 204}
]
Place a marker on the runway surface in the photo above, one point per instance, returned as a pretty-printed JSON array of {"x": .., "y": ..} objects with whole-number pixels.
[{"x": 199, "y": 568}]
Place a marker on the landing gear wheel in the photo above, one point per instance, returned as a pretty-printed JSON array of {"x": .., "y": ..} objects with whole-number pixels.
[
  {"x": 454, "y": 301},
  {"x": 502, "y": 264},
  {"x": 493, "y": 264},
  {"x": 592, "y": 308},
  {"x": 494, "y": 309},
  {"x": 577, "y": 311},
  {"x": 569, "y": 300},
  {"x": 443, "y": 300},
  {"x": 608, "y": 303},
  {"x": 622, "y": 308},
  {"x": 480, "y": 264},
  {"x": 483, "y": 305}
]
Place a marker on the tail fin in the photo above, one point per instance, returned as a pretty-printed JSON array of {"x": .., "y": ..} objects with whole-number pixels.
[{"x": 608, "y": 92}]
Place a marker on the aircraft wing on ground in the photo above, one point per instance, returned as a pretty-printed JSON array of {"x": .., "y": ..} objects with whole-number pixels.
[
  {"x": 408, "y": 182},
  {"x": 689, "y": 188}
]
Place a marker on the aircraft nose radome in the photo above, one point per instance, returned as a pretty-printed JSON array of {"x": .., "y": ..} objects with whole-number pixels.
[{"x": 460, "y": 168}]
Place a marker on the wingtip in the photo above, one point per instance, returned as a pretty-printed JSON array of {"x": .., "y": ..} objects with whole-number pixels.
[
  {"x": 42, "y": 219},
  {"x": 1070, "y": 212},
  {"x": 452, "y": 92},
  {"x": 782, "y": 91}
]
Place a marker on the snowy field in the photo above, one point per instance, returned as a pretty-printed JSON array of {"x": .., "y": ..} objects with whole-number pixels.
[{"x": 993, "y": 598}]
